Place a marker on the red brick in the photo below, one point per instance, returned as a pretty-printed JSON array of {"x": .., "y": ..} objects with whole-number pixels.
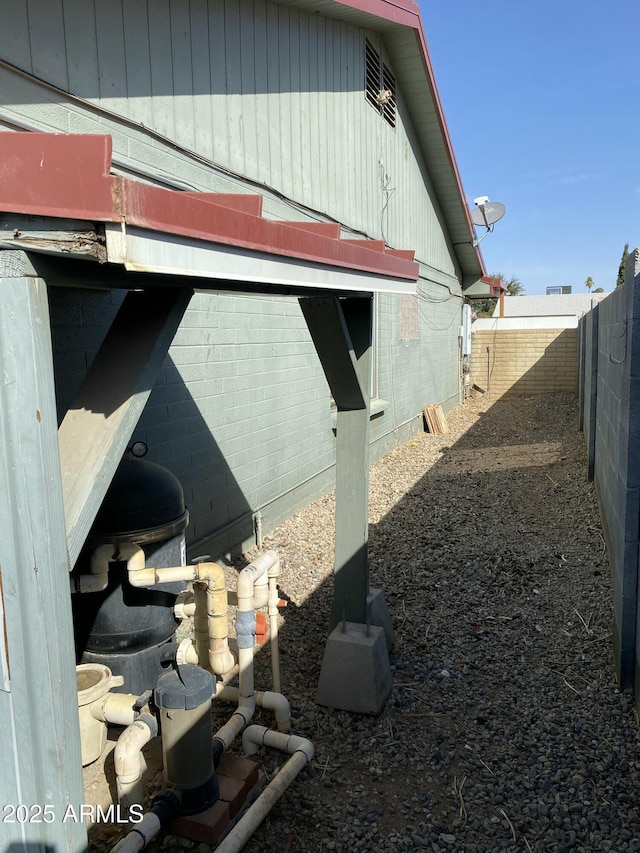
[
  {"x": 234, "y": 792},
  {"x": 207, "y": 826},
  {"x": 237, "y": 767}
]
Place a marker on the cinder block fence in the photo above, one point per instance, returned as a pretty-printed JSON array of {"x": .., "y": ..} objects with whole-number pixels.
[{"x": 524, "y": 356}]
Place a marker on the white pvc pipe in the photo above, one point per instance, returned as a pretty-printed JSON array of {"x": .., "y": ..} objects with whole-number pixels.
[
  {"x": 245, "y": 631},
  {"x": 98, "y": 577},
  {"x": 301, "y": 751},
  {"x": 116, "y": 708},
  {"x": 274, "y": 597},
  {"x": 275, "y": 702},
  {"x": 129, "y": 762},
  {"x": 250, "y": 575},
  {"x": 246, "y": 701},
  {"x": 140, "y": 835},
  {"x": 211, "y": 618}
]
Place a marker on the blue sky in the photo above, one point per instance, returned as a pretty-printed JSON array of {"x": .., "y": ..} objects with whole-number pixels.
[{"x": 542, "y": 101}]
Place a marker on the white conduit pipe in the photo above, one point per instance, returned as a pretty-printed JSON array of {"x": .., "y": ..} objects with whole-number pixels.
[
  {"x": 301, "y": 751},
  {"x": 128, "y": 760}
]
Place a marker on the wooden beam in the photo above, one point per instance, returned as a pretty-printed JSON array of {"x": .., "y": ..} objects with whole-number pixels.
[
  {"x": 97, "y": 428},
  {"x": 342, "y": 332},
  {"x": 40, "y": 743},
  {"x": 328, "y": 327}
]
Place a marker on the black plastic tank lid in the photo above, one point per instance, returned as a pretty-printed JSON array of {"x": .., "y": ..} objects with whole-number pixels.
[
  {"x": 142, "y": 495},
  {"x": 185, "y": 688}
]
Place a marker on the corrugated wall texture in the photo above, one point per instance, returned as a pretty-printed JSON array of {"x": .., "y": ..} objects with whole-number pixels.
[
  {"x": 616, "y": 456},
  {"x": 215, "y": 96},
  {"x": 267, "y": 92},
  {"x": 525, "y": 361}
]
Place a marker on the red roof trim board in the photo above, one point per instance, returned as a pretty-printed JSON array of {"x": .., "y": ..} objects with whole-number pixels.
[
  {"x": 496, "y": 285},
  {"x": 68, "y": 176}
]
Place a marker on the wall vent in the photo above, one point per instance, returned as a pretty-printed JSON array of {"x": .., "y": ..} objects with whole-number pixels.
[{"x": 379, "y": 84}]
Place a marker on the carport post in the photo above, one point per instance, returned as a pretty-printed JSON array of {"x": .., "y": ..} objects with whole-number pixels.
[
  {"x": 355, "y": 674},
  {"x": 40, "y": 743}
]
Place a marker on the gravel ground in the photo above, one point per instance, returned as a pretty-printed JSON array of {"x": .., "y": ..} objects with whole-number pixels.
[{"x": 504, "y": 730}]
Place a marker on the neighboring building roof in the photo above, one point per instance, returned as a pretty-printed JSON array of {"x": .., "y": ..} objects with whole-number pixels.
[
  {"x": 400, "y": 24},
  {"x": 565, "y": 304}
]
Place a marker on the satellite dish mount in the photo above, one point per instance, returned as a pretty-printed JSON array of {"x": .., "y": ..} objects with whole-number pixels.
[{"x": 486, "y": 213}]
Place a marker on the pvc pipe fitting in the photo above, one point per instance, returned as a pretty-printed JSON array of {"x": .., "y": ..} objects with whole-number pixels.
[
  {"x": 276, "y": 702},
  {"x": 93, "y": 681},
  {"x": 116, "y": 708},
  {"x": 187, "y": 653},
  {"x": 210, "y": 595},
  {"x": 301, "y": 751},
  {"x": 128, "y": 760},
  {"x": 185, "y": 605}
]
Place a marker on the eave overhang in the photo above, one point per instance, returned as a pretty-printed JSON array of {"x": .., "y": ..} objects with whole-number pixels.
[
  {"x": 220, "y": 239},
  {"x": 485, "y": 288}
]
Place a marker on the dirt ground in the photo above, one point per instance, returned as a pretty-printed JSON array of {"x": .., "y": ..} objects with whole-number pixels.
[{"x": 504, "y": 729}]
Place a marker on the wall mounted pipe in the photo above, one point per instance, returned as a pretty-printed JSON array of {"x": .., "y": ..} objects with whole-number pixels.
[
  {"x": 129, "y": 761},
  {"x": 301, "y": 751}
]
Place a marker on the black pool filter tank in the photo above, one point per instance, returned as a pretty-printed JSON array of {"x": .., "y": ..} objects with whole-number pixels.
[{"x": 127, "y": 629}]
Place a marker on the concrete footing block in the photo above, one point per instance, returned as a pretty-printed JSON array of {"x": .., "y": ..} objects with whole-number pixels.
[
  {"x": 379, "y": 615},
  {"x": 355, "y": 674}
]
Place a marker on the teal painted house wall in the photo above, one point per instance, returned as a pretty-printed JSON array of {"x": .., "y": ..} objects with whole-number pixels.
[{"x": 254, "y": 97}]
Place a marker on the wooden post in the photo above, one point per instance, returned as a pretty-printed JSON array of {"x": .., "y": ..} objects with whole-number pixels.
[
  {"x": 341, "y": 330},
  {"x": 40, "y": 743}
]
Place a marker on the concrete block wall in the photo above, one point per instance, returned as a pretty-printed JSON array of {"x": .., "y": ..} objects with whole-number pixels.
[
  {"x": 241, "y": 412},
  {"x": 612, "y": 433},
  {"x": 524, "y": 361}
]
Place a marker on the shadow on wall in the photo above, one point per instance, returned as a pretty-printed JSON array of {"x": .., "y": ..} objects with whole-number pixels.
[{"x": 172, "y": 424}]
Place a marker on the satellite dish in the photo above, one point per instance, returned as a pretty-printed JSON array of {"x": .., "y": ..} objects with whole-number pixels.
[{"x": 487, "y": 213}]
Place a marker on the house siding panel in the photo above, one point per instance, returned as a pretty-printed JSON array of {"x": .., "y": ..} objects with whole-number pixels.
[
  {"x": 276, "y": 95},
  {"x": 265, "y": 112}
]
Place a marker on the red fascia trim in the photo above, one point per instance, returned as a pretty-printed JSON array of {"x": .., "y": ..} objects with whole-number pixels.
[
  {"x": 56, "y": 175},
  {"x": 67, "y": 176},
  {"x": 496, "y": 285}
]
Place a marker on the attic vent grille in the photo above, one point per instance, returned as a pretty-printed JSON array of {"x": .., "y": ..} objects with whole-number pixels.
[{"x": 379, "y": 85}]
